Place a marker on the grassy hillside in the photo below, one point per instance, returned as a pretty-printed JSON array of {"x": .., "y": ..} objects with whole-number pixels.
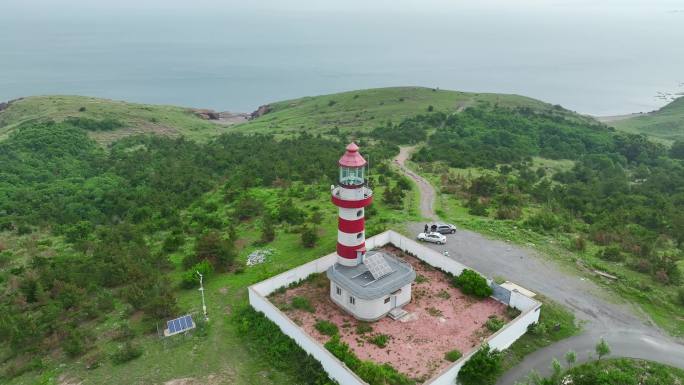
[
  {"x": 667, "y": 123},
  {"x": 360, "y": 111},
  {"x": 135, "y": 118}
]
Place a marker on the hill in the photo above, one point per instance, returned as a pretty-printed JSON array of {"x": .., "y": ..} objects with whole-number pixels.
[
  {"x": 361, "y": 111},
  {"x": 129, "y": 118},
  {"x": 354, "y": 111},
  {"x": 666, "y": 123}
]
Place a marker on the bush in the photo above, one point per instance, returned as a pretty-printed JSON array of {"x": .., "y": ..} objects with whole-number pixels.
[
  {"x": 472, "y": 283},
  {"x": 94, "y": 125},
  {"x": 74, "y": 344},
  {"x": 612, "y": 254},
  {"x": 680, "y": 296},
  {"x": 326, "y": 328},
  {"x": 302, "y": 303},
  {"x": 483, "y": 368},
  {"x": 269, "y": 344},
  {"x": 127, "y": 352},
  {"x": 309, "y": 236},
  {"x": 453, "y": 355},
  {"x": 363, "y": 328},
  {"x": 494, "y": 323},
  {"x": 191, "y": 279},
  {"x": 379, "y": 340}
]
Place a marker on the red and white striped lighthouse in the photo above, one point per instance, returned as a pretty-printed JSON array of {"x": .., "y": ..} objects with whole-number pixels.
[{"x": 351, "y": 196}]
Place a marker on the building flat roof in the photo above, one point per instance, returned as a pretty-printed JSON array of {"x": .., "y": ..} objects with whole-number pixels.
[{"x": 360, "y": 282}]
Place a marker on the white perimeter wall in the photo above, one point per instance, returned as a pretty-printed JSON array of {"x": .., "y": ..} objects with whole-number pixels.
[{"x": 334, "y": 367}]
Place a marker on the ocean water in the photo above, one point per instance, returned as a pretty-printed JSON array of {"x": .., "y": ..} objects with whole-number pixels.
[{"x": 613, "y": 58}]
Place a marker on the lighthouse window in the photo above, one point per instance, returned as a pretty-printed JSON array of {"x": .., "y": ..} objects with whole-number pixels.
[
  {"x": 359, "y": 235},
  {"x": 352, "y": 300},
  {"x": 387, "y": 300},
  {"x": 359, "y": 213}
]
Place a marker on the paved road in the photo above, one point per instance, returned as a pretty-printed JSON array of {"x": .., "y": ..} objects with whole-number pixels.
[{"x": 628, "y": 334}]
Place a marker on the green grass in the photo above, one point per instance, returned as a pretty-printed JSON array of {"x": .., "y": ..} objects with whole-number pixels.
[
  {"x": 666, "y": 123},
  {"x": 555, "y": 323},
  {"x": 137, "y": 118},
  {"x": 629, "y": 371},
  {"x": 363, "y": 110}
]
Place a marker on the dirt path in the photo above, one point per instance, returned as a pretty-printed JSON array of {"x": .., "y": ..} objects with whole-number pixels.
[{"x": 427, "y": 192}]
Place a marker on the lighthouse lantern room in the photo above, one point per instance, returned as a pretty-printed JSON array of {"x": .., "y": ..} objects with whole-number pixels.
[{"x": 366, "y": 284}]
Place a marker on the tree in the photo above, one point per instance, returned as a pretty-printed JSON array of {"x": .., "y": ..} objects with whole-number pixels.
[
  {"x": 309, "y": 236},
  {"x": 570, "y": 357},
  {"x": 267, "y": 229},
  {"x": 602, "y": 349},
  {"x": 483, "y": 368},
  {"x": 211, "y": 247},
  {"x": 677, "y": 149},
  {"x": 472, "y": 283}
]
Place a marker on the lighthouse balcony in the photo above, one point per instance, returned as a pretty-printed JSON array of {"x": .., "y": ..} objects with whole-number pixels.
[{"x": 352, "y": 198}]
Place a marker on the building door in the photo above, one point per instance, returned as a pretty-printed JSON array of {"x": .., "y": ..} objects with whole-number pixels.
[{"x": 394, "y": 301}]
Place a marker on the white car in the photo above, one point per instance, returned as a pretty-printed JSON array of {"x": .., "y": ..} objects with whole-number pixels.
[{"x": 432, "y": 237}]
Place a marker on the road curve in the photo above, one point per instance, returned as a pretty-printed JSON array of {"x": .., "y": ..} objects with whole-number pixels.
[{"x": 602, "y": 314}]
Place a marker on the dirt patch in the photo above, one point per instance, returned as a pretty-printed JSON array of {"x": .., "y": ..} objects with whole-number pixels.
[{"x": 440, "y": 319}]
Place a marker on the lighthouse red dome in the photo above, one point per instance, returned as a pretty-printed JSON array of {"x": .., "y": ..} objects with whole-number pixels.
[{"x": 352, "y": 158}]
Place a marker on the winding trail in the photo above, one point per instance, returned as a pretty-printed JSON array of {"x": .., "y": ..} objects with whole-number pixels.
[
  {"x": 603, "y": 314},
  {"x": 427, "y": 192}
]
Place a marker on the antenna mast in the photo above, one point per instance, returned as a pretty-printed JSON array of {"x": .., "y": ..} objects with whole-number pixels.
[{"x": 201, "y": 289}]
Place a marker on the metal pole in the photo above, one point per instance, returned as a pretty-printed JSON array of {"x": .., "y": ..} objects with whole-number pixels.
[{"x": 201, "y": 289}]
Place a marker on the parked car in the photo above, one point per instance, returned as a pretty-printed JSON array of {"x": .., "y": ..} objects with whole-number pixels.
[
  {"x": 444, "y": 228},
  {"x": 432, "y": 237}
]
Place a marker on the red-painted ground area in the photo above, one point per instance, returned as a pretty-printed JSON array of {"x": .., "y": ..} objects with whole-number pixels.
[{"x": 441, "y": 319}]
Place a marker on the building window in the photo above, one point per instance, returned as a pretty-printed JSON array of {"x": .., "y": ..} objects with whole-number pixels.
[
  {"x": 387, "y": 300},
  {"x": 359, "y": 213},
  {"x": 352, "y": 300},
  {"x": 359, "y": 235},
  {"x": 338, "y": 290}
]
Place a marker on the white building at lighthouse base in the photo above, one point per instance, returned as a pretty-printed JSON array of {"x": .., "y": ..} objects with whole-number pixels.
[{"x": 370, "y": 290}]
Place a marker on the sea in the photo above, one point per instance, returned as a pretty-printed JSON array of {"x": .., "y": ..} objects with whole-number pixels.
[{"x": 599, "y": 57}]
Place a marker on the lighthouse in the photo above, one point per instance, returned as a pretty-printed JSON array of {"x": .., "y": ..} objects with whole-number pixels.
[
  {"x": 351, "y": 196},
  {"x": 367, "y": 285}
]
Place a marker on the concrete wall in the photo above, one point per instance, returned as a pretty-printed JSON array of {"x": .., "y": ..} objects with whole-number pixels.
[{"x": 334, "y": 367}]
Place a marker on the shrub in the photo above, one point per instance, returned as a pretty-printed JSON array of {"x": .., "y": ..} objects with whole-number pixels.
[
  {"x": 453, "y": 355},
  {"x": 380, "y": 340},
  {"x": 326, "y": 328},
  {"x": 269, "y": 344},
  {"x": 680, "y": 296},
  {"x": 309, "y": 236},
  {"x": 94, "y": 125},
  {"x": 483, "y": 368},
  {"x": 74, "y": 344},
  {"x": 494, "y": 323},
  {"x": 191, "y": 279},
  {"x": 472, "y": 283},
  {"x": 267, "y": 229},
  {"x": 126, "y": 352},
  {"x": 363, "y": 328},
  {"x": 302, "y": 303},
  {"x": 611, "y": 253}
]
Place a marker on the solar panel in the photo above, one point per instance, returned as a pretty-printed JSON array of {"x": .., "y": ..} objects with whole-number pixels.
[
  {"x": 180, "y": 325},
  {"x": 377, "y": 265}
]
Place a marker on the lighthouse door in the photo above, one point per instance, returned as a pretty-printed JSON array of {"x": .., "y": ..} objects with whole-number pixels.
[{"x": 394, "y": 301}]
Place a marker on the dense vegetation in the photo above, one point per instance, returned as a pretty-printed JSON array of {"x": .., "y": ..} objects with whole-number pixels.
[
  {"x": 106, "y": 204},
  {"x": 621, "y": 197},
  {"x": 623, "y": 371}
]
